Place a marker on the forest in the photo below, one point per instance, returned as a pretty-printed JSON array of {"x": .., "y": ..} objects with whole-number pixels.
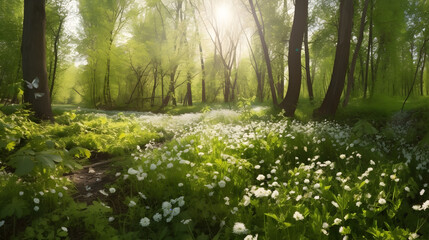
[{"x": 214, "y": 119}]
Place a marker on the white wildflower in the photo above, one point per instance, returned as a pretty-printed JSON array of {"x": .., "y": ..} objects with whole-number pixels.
[
  {"x": 298, "y": 216},
  {"x": 144, "y": 222},
  {"x": 239, "y": 228}
]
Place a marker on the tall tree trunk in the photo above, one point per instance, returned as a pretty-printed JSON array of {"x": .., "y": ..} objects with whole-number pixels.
[
  {"x": 307, "y": 66},
  {"x": 290, "y": 102},
  {"x": 350, "y": 77},
  {"x": 56, "y": 45},
  {"x": 155, "y": 83},
  {"x": 422, "y": 73},
  {"x": 368, "y": 54},
  {"x": 422, "y": 52},
  {"x": 266, "y": 54},
  {"x": 106, "y": 89},
  {"x": 281, "y": 83},
  {"x": 188, "y": 97},
  {"x": 34, "y": 59},
  {"x": 332, "y": 99}
]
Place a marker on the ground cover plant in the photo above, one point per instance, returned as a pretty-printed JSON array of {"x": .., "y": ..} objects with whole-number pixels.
[{"x": 219, "y": 174}]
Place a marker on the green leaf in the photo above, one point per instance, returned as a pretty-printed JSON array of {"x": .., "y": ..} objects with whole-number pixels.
[
  {"x": 15, "y": 207},
  {"x": 23, "y": 165},
  {"x": 45, "y": 161},
  {"x": 10, "y": 146},
  {"x": 273, "y": 216}
]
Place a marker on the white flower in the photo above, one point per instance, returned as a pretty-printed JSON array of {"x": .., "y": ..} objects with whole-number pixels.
[
  {"x": 275, "y": 194},
  {"x": 221, "y": 183},
  {"x": 111, "y": 219},
  {"x": 180, "y": 185},
  {"x": 407, "y": 189},
  {"x": 250, "y": 237},
  {"x": 36, "y": 200},
  {"x": 325, "y": 225},
  {"x": 425, "y": 205},
  {"x": 422, "y": 192},
  {"x": 382, "y": 184},
  {"x": 239, "y": 228},
  {"x": 166, "y": 205},
  {"x": 1, "y": 223},
  {"x": 342, "y": 156},
  {"x": 132, "y": 204},
  {"x": 112, "y": 190},
  {"x": 246, "y": 200},
  {"x": 175, "y": 211},
  {"x": 325, "y": 232},
  {"x": 417, "y": 207},
  {"x": 60, "y": 194},
  {"x": 298, "y": 216},
  {"x": 64, "y": 229},
  {"x": 152, "y": 166},
  {"x": 170, "y": 165},
  {"x": 306, "y": 181},
  {"x": 157, "y": 217},
  {"x": 260, "y": 177},
  {"x": 335, "y": 204},
  {"x": 261, "y": 192},
  {"x": 317, "y": 185},
  {"x": 36, "y": 208},
  {"x": 21, "y": 193},
  {"x": 382, "y": 201},
  {"x": 413, "y": 236},
  {"x": 187, "y": 221},
  {"x": 358, "y": 204},
  {"x": 132, "y": 171},
  {"x": 144, "y": 222},
  {"x": 337, "y": 221},
  {"x": 347, "y": 188},
  {"x": 257, "y": 167},
  {"x": 341, "y": 230},
  {"x": 298, "y": 198}
]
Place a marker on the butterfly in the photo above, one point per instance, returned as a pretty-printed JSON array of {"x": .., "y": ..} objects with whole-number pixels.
[
  {"x": 34, "y": 84},
  {"x": 38, "y": 95}
]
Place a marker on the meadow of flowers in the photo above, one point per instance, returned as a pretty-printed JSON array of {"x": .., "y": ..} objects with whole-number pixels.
[{"x": 221, "y": 174}]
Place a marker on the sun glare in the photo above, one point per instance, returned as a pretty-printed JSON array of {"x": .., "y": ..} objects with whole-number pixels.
[{"x": 223, "y": 14}]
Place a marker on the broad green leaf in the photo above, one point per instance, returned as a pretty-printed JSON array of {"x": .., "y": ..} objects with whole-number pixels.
[
  {"x": 23, "y": 165},
  {"x": 15, "y": 208},
  {"x": 45, "y": 161}
]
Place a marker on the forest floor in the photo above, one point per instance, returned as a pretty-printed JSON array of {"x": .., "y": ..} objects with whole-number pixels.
[{"x": 245, "y": 173}]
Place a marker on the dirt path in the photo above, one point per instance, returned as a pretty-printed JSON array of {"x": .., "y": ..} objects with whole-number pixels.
[{"x": 93, "y": 178}]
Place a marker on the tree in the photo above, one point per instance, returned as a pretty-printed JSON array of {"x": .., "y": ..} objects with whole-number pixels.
[
  {"x": 350, "y": 77},
  {"x": 265, "y": 51},
  {"x": 332, "y": 98},
  {"x": 290, "y": 102},
  {"x": 36, "y": 91}
]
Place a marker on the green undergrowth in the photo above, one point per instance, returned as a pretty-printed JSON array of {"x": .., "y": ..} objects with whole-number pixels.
[{"x": 217, "y": 174}]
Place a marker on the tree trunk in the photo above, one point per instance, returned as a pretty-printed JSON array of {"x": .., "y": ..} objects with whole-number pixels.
[
  {"x": 266, "y": 54},
  {"x": 290, "y": 102},
  {"x": 56, "y": 43},
  {"x": 307, "y": 66},
  {"x": 332, "y": 99},
  {"x": 422, "y": 73},
  {"x": 350, "y": 77},
  {"x": 368, "y": 54},
  {"x": 422, "y": 52},
  {"x": 106, "y": 89},
  {"x": 34, "y": 59},
  {"x": 155, "y": 80}
]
